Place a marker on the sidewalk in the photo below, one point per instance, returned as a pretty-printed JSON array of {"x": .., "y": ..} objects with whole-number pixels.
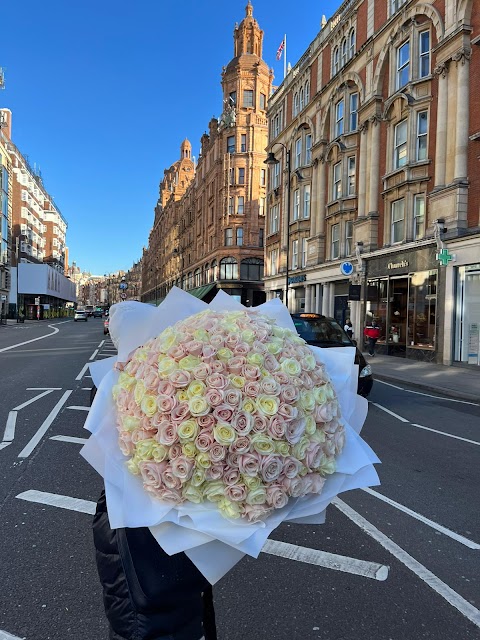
[{"x": 454, "y": 382}]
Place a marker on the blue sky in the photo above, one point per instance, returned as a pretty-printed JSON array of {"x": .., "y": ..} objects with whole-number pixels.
[{"x": 103, "y": 93}]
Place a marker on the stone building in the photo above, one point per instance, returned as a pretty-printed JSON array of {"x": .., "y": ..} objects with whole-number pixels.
[
  {"x": 382, "y": 129},
  {"x": 208, "y": 232}
]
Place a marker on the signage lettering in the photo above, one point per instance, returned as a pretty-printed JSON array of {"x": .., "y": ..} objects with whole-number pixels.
[{"x": 398, "y": 265}]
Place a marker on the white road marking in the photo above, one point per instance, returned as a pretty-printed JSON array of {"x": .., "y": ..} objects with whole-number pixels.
[
  {"x": 92, "y": 357},
  {"x": 57, "y": 500},
  {"x": 451, "y": 534},
  {"x": 19, "y": 344},
  {"x": 8, "y": 636},
  {"x": 4, "y": 444},
  {"x": 327, "y": 560},
  {"x": 79, "y": 408},
  {"x": 70, "y": 439},
  {"x": 44, "y": 388},
  {"x": 104, "y": 355},
  {"x": 395, "y": 415},
  {"x": 9, "y": 434},
  {"x": 428, "y": 395},
  {"x": 26, "y": 451},
  {"x": 54, "y": 349},
  {"x": 87, "y": 388},
  {"x": 84, "y": 368},
  {"x": 101, "y": 344},
  {"x": 443, "y": 433},
  {"x": 34, "y": 399},
  {"x": 443, "y": 590}
]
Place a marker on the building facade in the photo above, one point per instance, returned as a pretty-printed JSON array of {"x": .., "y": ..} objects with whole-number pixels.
[
  {"x": 5, "y": 225},
  {"x": 381, "y": 123},
  {"x": 208, "y": 232}
]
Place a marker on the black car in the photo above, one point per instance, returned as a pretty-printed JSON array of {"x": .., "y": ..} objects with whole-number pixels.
[
  {"x": 98, "y": 313},
  {"x": 320, "y": 331}
]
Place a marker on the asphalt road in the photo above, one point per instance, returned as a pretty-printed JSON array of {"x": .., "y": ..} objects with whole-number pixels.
[{"x": 427, "y": 534}]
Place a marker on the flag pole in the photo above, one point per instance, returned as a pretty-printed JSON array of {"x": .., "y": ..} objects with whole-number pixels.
[{"x": 285, "y": 57}]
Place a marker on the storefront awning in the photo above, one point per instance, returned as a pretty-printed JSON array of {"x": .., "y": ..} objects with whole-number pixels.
[{"x": 201, "y": 292}]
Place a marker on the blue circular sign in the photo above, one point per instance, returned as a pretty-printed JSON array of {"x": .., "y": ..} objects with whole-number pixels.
[{"x": 346, "y": 268}]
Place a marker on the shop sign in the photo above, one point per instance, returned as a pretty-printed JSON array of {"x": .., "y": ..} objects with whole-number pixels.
[
  {"x": 397, "y": 265},
  {"x": 296, "y": 279},
  {"x": 346, "y": 268},
  {"x": 37, "y": 301},
  {"x": 444, "y": 257},
  {"x": 354, "y": 292}
]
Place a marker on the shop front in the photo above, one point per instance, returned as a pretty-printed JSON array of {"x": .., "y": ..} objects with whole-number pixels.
[
  {"x": 402, "y": 297},
  {"x": 467, "y": 315}
]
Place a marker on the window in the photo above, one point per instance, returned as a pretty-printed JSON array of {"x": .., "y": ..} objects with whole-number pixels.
[
  {"x": 243, "y": 143},
  {"x": 276, "y": 175},
  {"x": 228, "y": 237},
  {"x": 422, "y": 131},
  {"x": 351, "y": 39},
  {"x": 239, "y": 236},
  {"x": 228, "y": 269},
  {"x": 424, "y": 54},
  {"x": 351, "y": 187},
  {"x": 301, "y": 99},
  {"x": 207, "y": 274},
  {"x": 231, "y": 176},
  {"x": 263, "y": 177},
  {"x": 230, "y": 206},
  {"x": 276, "y": 125},
  {"x": 298, "y": 153},
  {"x": 306, "y": 201},
  {"x": 295, "y": 254},
  {"x": 353, "y": 111},
  {"x": 273, "y": 262},
  {"x": 251, "y": 269},
  {"x": 213, "y": 273},
  {"x": 263, "y": 101},
  {"x": 261, "y": 206},
  {"x": 395, "y": 5},
  {"x": 348, "y": 237},
  {"x": 274, "y": 219},
  {"x": 241, "y": 175},
  {"x": 296, "y": 204},
  {"x": 248, "y": 98},
  {"x": 198, "y": 278},
  {"x": 336, "y": 61},
  {"x": 308, "y": 148},
  {"x": 231, "y": 144},
  {"x": 339, "y": 113},
  {"x": 335, "y": 241},
  {"x": 233, "y": 98},
  {"x": 337, "y": 181},
  {"x": 419, "y": 217},
  {"x": 307, "y": 92},
  {"x": 261, "y": 237},
  {"x": 398, "y": 221},
  {"x": 295, "y": 104},
  {"x": 304, "y": 252},
  {"x": 240, "y": 205},
  {"x": 344, "y": 52},
  {"x": 400, "y": 151},
  {"x": 403, "y": 64}
]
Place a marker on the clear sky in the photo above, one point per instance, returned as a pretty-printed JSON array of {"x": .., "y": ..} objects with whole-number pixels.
[{"x": 102, "y": 93}]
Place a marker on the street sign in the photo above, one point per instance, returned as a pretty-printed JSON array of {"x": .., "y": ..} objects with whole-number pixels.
[
  {"x": 346, "y": 268},
  {"x": 123, "y": 296},
  {"x": 37, "y": 301},
  {"x": 123, "y": 285},
  {"x": 444, "y": 257}
]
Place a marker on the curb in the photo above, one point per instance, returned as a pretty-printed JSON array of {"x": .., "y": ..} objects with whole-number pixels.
[{"x": 440, "y": 391}]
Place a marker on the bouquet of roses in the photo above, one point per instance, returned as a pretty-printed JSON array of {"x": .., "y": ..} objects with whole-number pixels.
[{"x": 216, "y": 423}]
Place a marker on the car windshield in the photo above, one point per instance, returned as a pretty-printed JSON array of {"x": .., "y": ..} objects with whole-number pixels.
[{"x": 321, "y": 331}]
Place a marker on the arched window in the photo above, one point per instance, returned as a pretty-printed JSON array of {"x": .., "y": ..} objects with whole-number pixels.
[
  {"x": 197, "y": 278},
  {"x": 295, "y": 104},
  {"x": 351, "y": 39},
  {"x": 207, "y": 273},
  {"x": 336, "y": 56},
  {"x": 228, "y": 269},
  {"x": 213, "y": 272},
  {"x": 190, "y": 281},
  {"x": 301, "y": 99},
  {"x": 344, "y": 52},
  {"x": 251, "y": 269},
  {"x": 307, "y": 92}
]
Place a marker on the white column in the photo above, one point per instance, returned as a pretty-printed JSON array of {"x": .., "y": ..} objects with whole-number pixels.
[
  {"x": 362, "y": 172},
  {"x": 462, "y": 120},
  {"x": 326, "y": 299},
  {"x": 442, "y": 115},
  {"x": 374, "y": 168},
  {"x": 308, "y": 298},
  {"x": 318, "y": 298}
]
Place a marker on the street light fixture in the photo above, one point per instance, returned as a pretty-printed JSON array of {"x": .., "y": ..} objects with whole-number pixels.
[{"x": 271, "y": 161}]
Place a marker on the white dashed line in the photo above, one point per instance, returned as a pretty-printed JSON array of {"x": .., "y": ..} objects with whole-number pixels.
[
  {"x": 442, "y": 433},
  {"x": 395, "y": 415},
  {"x": 81, "y": 374},
  {"x": 79, "y": 408},
  {"x": 71, "y": 439},
  {"x": 57, "y": 500}
]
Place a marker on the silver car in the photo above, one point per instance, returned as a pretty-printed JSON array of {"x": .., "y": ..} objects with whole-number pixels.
[{"x": 80, "y": 315}]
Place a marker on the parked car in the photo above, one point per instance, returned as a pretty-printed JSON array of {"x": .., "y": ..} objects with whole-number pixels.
[
  {"x": 98, "y": 313},
  {"x": 321, "y": 331},
  {"x": 80, "y": 314},
  {"x": 106, "y": 324}
]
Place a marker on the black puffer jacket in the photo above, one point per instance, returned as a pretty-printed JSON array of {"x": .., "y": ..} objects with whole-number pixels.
[{"x": 149, "y": 595}]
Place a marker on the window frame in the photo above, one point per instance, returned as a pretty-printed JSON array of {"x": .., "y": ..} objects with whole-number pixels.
[
  {"x": 337, "y": 180},
  {"x": 306, "y": 201},
  {"x": 399, "y": 147},
  {"x": 339, "y": 117},
  {"x": 308, "y": 148},
  {"x": 231, "y": 148},
  {"x": 401, "y": 67},
  {"x": 417, "y": 198},
  {"x": 351, "y": 175},
  {"x": 353, "y": 97},
  {"x": 421, "y": 137},
  {"x": 399, "y": 223},
  {"x": 240, "y": 205},
  {"x": 294, "y": 262},
  {"x": 296, "y": 205},
  {"x": 239, "y": 236},
  {"x": 335, "y": 241},
  {"x": 349, "y": 237},
  {"x": 241, "y": 176},
  {"x": 424, "y": 55},
  {"x": 248, "y": 93},
  {"x": 228, "y": 237},
  {"x": 298, "y": 153}
]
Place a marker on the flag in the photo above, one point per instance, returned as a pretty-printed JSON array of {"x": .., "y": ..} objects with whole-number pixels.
[{"x": 280, "y": 49}]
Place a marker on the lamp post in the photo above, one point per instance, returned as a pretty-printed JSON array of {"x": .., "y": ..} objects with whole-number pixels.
[{"x": 271, "y": 161}]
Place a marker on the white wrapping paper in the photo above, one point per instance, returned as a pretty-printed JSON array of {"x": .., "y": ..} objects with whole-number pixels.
[{"x": 213, "y": 543}]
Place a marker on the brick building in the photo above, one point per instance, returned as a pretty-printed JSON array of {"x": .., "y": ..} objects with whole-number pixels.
[
  {"x": 382, "y": 132},
  {"x": 208, "y": 232}
]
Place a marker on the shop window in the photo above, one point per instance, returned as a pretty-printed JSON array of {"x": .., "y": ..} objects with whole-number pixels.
[
  {"x": 213, "y": 271},
  {"x": 228, "y": 269},
  {"x": 198, "y": 278},
  {"x": 422, "y": 303},
  {"x": 251, "y": 269},
  {"x": 467, "y": 343}
]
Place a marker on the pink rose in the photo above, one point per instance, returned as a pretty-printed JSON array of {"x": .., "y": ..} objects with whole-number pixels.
[
  {"x": 270, "y": 386},
  {"x": 271, "y": 363},
  {"x": 204, "y": 441},
  {"x": 236, "y": 492},
  {"x": 317, "y": 482},
  {"x": 294, "y": 487},
  {"x": 170, "y": 496},
  {"x": 165, "y": 388},
  {"x": 169, "y": 479},
  {"x": 202, "y": 371},
  {"x": 175, "y": 451},
  {"x": 251, "y": 372},
  {"x": 217, "y": 341},
  {"x": 289, "y": 393},
  {"x": 167, "y": 434},
  {"x": 132, "y": 367},
  {"x": 233, "y": 397},
  {"x": 306, "y": 380},
  {"x": 177, "y": 352},
  {"x": 259, "y": 423},
  {"x": 180, "y": 412},
  {"x": 235, "y": 364},
  {"x": 206, "y": 422},
  {"x": 182, "y": 467},
  {"x": 214, "y": 397},
  {"x": 271, "y": 467},
  {"x": 151, "y": 473},
  {"x": 194, "y": 347},
  {"x": 295, "y": 430},
  {"x": 151, "y": 379},
  {"x": 276, "y": 496},
  {"x": 242, "y": 422},
  {"x": 276, "y": 427},
  {"x": 165, "y": 404},
  {"x": 217, "y": 453},
  {"x": 208, "y": 352},
  {"x": 125, "y": 443},
  {"x": 231, "y": 476},
  {"x": 158, "y": 419},
  {"x": 241, "y": 445},
  {"x": 217, "y": 381},
  {"x": 232, "y": 340},
  {"x": 215, "y": 472},
  {"x": 339, "y": 440},
  {"x": 287, "y": 411},
  {"x": 223, "y": 413},
  {"x": 281, "y": 377},
  {"x": 241, "y": 349},
  {"x": 313, "y": 455},
  {"x": 332, "y": 426},
  {"x": 291, "y": 467},
  {"x": 140, "y": 434},
  {"x": 252, "y": 389},
  {"x": 147, "y": 424},
  {"x": 217, "y": 366},
  {"x": 256, "y": 513},
  {"x": 232, "y": 460},
  {"x": 259, "y": 347},
  {"x": 328, "y": 447},
  {"x": 249, "y": 464},
  {"x": 180, "y": 379}
]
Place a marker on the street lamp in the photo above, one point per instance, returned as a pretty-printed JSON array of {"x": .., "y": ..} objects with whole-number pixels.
[{"x": 271, "y": 161}]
